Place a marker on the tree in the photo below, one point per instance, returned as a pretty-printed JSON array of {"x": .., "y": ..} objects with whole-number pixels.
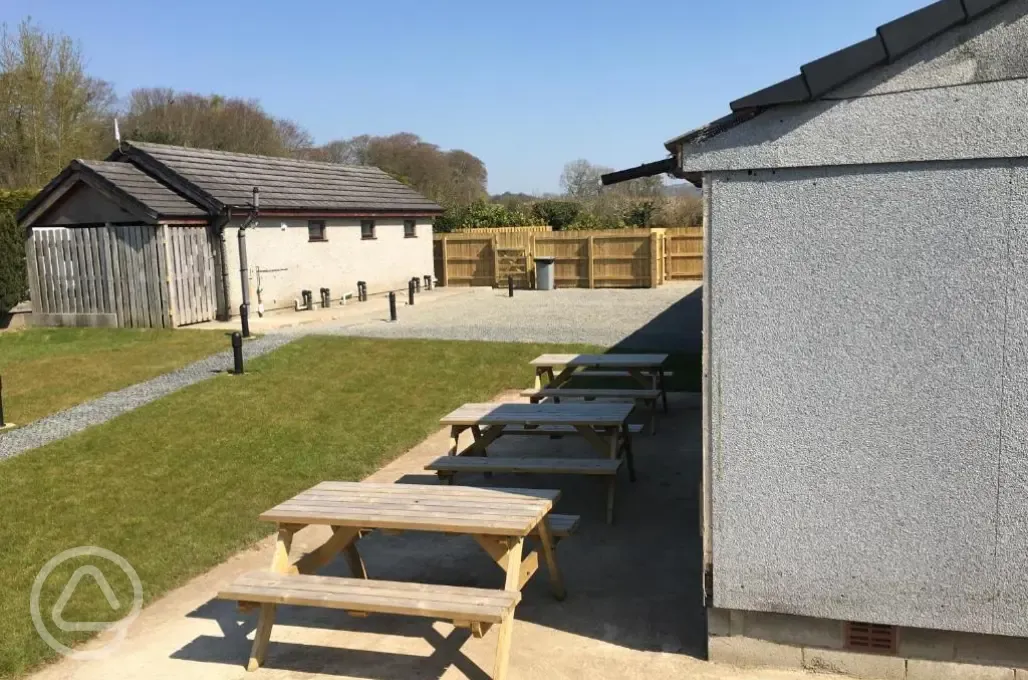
[
  {"x": 558, "y": 214},
  {"x": 581, "y": 179},
  {"x": 50, "y": 110},
  {"x": 450, "y": 178},
  {"x": 164, "y": 116}
]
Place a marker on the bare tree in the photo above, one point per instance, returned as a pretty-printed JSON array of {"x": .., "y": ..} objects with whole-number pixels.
[
  {"x": 50, "y": 110},
  {"x": 581, "y": 179}
]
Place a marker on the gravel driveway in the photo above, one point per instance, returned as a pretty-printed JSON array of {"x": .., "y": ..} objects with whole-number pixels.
[{"x": 668, "y": 317}]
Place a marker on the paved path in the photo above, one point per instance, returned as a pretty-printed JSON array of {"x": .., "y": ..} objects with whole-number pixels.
[{"x": 77, "y": 418}]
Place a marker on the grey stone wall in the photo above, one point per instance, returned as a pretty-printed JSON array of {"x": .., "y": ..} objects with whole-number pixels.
[{"x": 869, "y": 382}]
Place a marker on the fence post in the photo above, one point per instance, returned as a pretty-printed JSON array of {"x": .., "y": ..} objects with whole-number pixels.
[
  {"x": 654, "y": 264},
  {"x": 590, "y": 263},
  {"x": 496, "y": 261},
  {"x": 444, "y": 278}
]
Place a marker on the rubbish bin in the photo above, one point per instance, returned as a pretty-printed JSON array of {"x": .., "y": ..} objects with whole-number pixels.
[{"x": 544, "y": 273}]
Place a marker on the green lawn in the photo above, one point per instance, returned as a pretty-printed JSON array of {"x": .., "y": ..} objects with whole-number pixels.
[
  {"x": 175, "y": 487},
  {"x": 47, "y": 370}
]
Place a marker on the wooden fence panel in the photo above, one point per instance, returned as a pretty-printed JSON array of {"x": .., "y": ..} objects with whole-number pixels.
[
  {"x": 684, "y": 253},
  {"x": 190, "y": 274},
  {"x": 621, "y": 258},
  {"x": 97, "y": 276}
]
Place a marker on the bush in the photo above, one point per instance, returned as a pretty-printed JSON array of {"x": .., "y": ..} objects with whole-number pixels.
[
  {"x": 557, "y": 214},
  {"x": 13, "y": 280},
  {"x": 482, "y": 214}
]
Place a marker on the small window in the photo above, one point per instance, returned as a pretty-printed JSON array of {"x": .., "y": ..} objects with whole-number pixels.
[
  {"x": 410, "y": 229},
  {"x": 367, "y": 229},
  {"x": 316, "y": 230}
]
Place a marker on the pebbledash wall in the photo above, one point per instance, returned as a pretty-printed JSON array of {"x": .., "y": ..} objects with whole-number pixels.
[
  {"x": 867, "y": 345},
  {"x": 289, "y": 262}
]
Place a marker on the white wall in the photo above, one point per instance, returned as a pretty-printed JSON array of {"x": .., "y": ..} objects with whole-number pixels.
[{"x": 386, "y": 262}]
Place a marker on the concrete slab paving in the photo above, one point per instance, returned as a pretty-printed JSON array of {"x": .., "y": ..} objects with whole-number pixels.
[{"x": 634, "y": 606}]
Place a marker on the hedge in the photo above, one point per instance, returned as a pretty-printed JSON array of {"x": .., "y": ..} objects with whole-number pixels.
[{"x": 13, "y": 280}]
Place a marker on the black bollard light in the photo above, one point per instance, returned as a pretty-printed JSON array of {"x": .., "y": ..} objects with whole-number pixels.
[
  {"x": 237, "y": 353},
  {"x": 244, "y": 319},
  {"x": 392, "y": 306},
  {"x": 428, "y": 282},
  {"x": 3, "y": 423},
  {"x": 410, "y": 292},
  {"x": 510, "y": 286}
]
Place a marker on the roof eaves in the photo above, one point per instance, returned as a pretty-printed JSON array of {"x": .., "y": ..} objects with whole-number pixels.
[
  {"x": 33, "y": 202},
  {"x": 896, "y": 39},
  {"x": 94, "y": 178}
]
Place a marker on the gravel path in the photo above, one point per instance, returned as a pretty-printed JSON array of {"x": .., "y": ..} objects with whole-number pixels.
[
  {"x": 77, "y": 418},
  {"x": 668, "y": 317}
]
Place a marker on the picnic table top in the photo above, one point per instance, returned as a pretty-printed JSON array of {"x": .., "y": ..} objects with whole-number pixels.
[
  {"x": 417, "y": 507},
  {"x": 606, "y": 360},
  {"x": 589, "y": 413}
]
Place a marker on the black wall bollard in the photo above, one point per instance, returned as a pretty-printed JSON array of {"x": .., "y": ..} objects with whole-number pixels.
[
  {"x": 237, "y": 353},
  {"x": 510, "y": 286},
  {"x": 3, "y": 423},
  {"x": 428, "y": 282},
  {"x": 392, "y": 306},
  {"x": 326, "y": 297},
  {"x": 362, "y": 291},
  {"x": 244, "y": 319},
  {"x": 410, "y": 292}
]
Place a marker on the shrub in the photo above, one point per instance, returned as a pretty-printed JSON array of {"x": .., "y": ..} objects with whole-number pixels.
[
  {"x": 13, "y": 281},
  {"x": 557, "y": 214},
  {"x": 482, "y": 214}
]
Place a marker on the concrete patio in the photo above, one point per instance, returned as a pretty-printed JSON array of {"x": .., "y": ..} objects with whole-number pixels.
[{"x": 633, "y": 608}]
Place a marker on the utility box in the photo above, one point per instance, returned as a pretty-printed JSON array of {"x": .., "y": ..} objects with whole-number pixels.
[{"x": 544, "y": 279}]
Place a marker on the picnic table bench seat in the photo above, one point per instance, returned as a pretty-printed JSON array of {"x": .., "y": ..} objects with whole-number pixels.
[
  {"x": 447, "y": 468},
  {"x": 633, "y": 428},
  {"x": 474, "y": 608}
]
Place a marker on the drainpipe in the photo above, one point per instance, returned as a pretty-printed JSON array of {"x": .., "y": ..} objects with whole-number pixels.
[
  {"x": 251, "y": 221},
  {"x": 219, "y": 225}
]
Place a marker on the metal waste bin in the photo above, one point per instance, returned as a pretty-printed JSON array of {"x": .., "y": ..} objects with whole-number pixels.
[{"x": 544, "y": 273}]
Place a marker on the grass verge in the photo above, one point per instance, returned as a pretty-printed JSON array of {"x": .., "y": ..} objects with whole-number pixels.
[
  {"x": 175, "y": 487},
  {"x": 47, "y": 370}
]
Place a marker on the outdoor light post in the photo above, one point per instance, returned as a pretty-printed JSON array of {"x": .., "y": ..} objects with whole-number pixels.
[
  {"x": 237, "y": 353},
  {"x": 392, "y": 306}
]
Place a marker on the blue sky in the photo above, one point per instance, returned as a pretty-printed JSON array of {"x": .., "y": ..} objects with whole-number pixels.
[{"x": 526, "y": 85}]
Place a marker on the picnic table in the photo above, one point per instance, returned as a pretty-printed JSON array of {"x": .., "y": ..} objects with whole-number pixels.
[
  {"x": 645, "y": 369},
  {"x": 604, "y": 425},
  {"x": 498, "y": 519}
]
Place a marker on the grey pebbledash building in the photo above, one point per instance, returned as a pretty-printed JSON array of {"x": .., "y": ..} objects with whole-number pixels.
[{"x": 866, "y": 352}]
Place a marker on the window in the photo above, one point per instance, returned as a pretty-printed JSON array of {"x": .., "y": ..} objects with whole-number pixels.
[
  {"x": 316, "y": 230},
  {"x": 410, "y": 229},
  {"x": 367, "y": 229}
]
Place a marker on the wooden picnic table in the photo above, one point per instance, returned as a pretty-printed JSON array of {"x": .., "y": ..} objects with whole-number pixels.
[
  {"x": 498, "y": 519},
  {"x": 645, "y": 369},
  {"x": 603, "y": 425}
]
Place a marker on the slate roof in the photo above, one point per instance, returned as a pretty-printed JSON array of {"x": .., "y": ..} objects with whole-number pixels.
[
  {"x": 227, "y": 180},
  {"x": 890, "y": 42},
  {"x": 158, "y": 198}
]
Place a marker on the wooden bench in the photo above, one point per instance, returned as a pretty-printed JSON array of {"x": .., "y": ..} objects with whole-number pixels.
[
  {"x": 447, "y": 468},
  {"x": 647, "y": 397},
  {"x": 474, "y": 608}
]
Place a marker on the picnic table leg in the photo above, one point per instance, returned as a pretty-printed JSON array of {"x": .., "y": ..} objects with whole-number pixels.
[
  {"x": 661, "y": 387},
  {"x": 626, "y": 443},
  {"x": 455, "y": 431},
  {"x": 539, "y": 371},
  {"x": 266, "y": 618},
  {"x": 513, "y": 568},
  {"x": 549, "y": 554}
]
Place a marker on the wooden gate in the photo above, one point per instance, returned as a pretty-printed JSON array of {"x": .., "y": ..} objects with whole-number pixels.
[
  {"x": 120, "y": 276},
  {"x": 191, "y": 263}
]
